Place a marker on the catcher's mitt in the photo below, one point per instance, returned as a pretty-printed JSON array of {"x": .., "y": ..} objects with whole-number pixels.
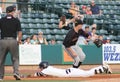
[{"x": 98, "y": 43}]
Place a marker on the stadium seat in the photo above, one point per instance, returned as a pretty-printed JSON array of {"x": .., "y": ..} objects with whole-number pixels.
[
  {"x": 37, "y": 20},
  {"x": 64, "y": 36},
  {"x": 115, "y": 7},
  {"x": 38, "y": 15},
  {"x": 106, "y": 12},
  {"x": 31, "y": 20},
  {"x": 102, "y": 31},
  {"x": 64, "y": 31},
  {"x": 107, "y": 21},
  {"x": 115, "y": 21},
  {"x": 46, "y": 15},
  {"x": 24, "y": 25},
  {"x": 98, "y": 32},
  {"x": 45, "y": 20},
  {"x": 112, "y": 3},
  {"x": 47, "y": 31},
  {"x": 59, "y": 42},
  {"x": 32, "y": 31},
  {"x": 32, "y": 25},
  {"x": 109, "y": 7},
  {"x": 65, "y": 1},
  {"x": 114, "y": 42},
  {"x": 117, "y": 27},
  {"x": 95, "y": 21},
  {"x": 54, "y": 16},
  {"x": 30, "y": 15},
  {"x": 39, "y": 25},
  {"x": 99, "y": 2},
  {"x": 59, "y": 37},
  {"x": 111, "y": 27},
  {"x": 58, "y": 1},
  {"x": 114, "y": 17},
  {"x": 42, "y": 30},
  {"x": 23, "y": 20},
  {"x": 24, "y": 15},
  {"x": 98, "y": 21},
  {"x": 111, "y": 37},
  {"x": 117, "y": 38},
  {"x": 53, "y": 26},
  {"x": 107, "y": 16},
  {"x": 52, "y": 20},
  {"x": 95, "y": 16},
  {"x": 112, "y": 12},
  {"x": 107, "y": 2},
  {"x": 45, "y": 25},
  {"x": 117, "y": 2},
  {"x": 102, "y": 7},
  {"x": 49, "y": 37},
  {"x": 57, "y": 31}
]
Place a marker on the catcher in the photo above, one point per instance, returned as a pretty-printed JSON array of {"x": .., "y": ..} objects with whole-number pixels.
[{"x": 46, "y": 70}]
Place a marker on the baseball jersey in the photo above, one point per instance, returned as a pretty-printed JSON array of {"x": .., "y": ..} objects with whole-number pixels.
[
  {"x": 72, "y": 37},
  {"x": 69, "y": 72}
]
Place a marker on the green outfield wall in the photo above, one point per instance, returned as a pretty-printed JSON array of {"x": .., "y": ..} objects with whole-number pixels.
[
  {"x": 54, "y": 54},
  {"x": 93, "y": 55}
]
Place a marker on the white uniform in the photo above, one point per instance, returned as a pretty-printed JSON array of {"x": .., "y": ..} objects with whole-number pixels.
[
  {"x": 71, "y": 72},
  {"x": 0, "y": 12}
]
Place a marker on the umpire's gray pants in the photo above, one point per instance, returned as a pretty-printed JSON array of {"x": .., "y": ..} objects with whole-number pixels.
[
  {"x": 80, "y": 54},
  {"x": 12, "y": 47}
]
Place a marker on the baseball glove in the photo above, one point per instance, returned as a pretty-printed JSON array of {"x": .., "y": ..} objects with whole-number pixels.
[{"x": 98, "y": 43}]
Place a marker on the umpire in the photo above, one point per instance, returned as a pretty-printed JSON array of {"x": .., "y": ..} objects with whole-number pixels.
[{"x": 11, "y": 35}]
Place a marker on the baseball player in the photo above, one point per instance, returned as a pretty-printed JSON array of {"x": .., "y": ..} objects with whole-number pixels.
[
  {"x": 70, "y": 43},
  {"x": 47, "y": 70}
]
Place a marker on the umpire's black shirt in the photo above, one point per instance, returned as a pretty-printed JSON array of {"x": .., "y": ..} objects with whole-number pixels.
[
  {"x": 9, "y": 26},
  {"x": 72, "y": 37}
]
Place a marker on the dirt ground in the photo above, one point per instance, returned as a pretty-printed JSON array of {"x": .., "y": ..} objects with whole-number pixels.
[{"x": 115, "y": 77}]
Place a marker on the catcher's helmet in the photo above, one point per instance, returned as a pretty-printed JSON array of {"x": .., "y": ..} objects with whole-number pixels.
[{"x": 43, "y": 65}]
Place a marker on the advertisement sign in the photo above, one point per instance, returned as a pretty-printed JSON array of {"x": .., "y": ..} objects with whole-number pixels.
[
  {"x": 29, "y": 54},
  {"x": 111, "y": 53}
]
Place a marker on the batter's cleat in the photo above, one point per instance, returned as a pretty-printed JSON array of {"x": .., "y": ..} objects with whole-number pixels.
[
  {"x": 16, "y": 76},
  {"x": 107, "y": 68}
]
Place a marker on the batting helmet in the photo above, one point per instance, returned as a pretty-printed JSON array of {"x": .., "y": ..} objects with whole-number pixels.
[{"x": 43, "y": 65}]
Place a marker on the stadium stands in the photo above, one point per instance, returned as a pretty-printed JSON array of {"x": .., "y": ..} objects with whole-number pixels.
[{"x": 108, "y": 23}]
